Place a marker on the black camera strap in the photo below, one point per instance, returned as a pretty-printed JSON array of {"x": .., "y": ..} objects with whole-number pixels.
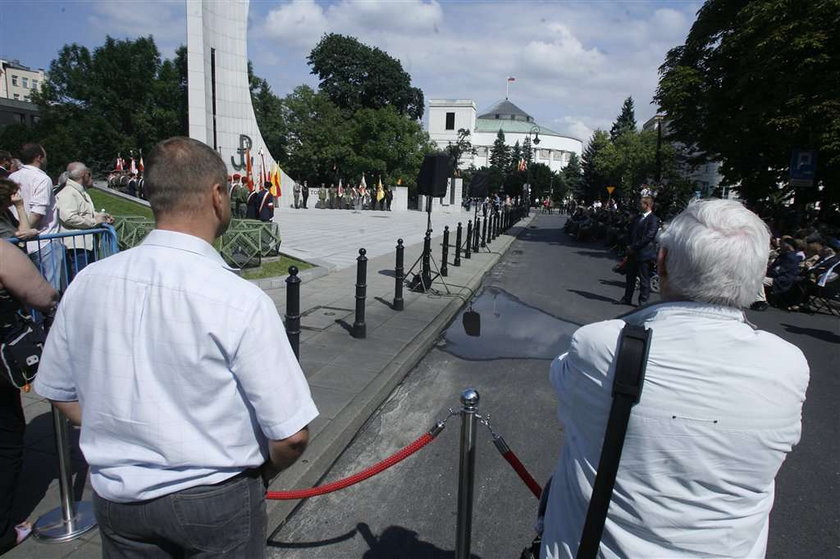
[{"x": 631, "y": 362}]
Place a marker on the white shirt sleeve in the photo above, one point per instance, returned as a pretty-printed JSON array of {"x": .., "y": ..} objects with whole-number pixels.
[
  {"x": 42, "y": 196},
  {"x": 270, "y": 376},
  {"x": 55, "y": 376}
]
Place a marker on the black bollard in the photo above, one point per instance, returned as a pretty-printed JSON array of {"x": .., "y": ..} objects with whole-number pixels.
[
  {"x": 468, "y": 243},
  {"x": 399, "y": 275},
  {"x": 457, "y": 261},
  {"x": 359, "y": 327},
  {"x": 496, "y": 226},
  {"x": 444, "y": 258},
  {"x": 426, "y": 265},
  {"x": 489, "y": 224},
  {"x": 293, "y": 310},
  {"x": 476, "y": 235},
  {"x": 484, "y": 233}
]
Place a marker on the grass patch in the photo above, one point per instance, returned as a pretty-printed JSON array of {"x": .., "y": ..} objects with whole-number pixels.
[
  {"x": 117, "y": 206},
  {"x": 275, "y": 268}
]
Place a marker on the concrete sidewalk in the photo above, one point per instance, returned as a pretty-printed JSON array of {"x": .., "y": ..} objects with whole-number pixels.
[{"x": 349, "y": 377}]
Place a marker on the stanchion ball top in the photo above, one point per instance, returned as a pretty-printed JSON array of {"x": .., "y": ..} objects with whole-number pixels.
[
  {"x": 293, "y": 270},
  {"x": 469, "y": 397},
  {"x": 362, "y": 252},
  {"x": 399, "y": 241}
]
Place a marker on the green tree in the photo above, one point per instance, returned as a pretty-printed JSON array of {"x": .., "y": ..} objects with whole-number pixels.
[
  {"x": 118, "y": 98},
  {"x": 270, "y": 115},
  {"x": 527, "y": 150},
  {"x": 356, "y": 76},
  {"x": 500, "y": 153},
  {"x": 317, "y": 135},
  {"x": 752, "y": 81},
  {"x": 545, "y": 182},
  {"x": 386, "y": 144},
  {"x": 461, "y": 147},
  {"x": 515, "y": 157},
  {"x": 626, "y": 121},
  {"x": 593, "y": 182},
  {"x": 573, "y": 175},
  {"x": 630, "y": 160}
]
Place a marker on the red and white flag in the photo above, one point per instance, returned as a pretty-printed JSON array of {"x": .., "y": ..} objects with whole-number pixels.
[
  {"x": 119, "y": 165},
  {"x": 133, "y": 168},
  {"x": 511, "y": 79}
]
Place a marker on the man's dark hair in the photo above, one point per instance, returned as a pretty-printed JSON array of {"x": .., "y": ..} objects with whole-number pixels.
[
  {"x": 267, "y": 184},
  {"x": 30, "y": 152},
  {"x": 5, "y": 156},
  {"x": 179, "y": 171}
]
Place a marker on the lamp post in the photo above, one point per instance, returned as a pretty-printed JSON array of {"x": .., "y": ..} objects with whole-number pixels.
[
  {"x": 658, "y": 118},
  {"x": 535, "y": 130}
]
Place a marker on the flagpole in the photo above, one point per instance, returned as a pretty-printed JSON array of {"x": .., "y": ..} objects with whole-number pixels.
[{"x": 507, "y": 88}]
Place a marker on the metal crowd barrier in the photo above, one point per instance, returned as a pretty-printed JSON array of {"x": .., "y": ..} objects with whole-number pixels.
[{"x": 59, "y": 258}]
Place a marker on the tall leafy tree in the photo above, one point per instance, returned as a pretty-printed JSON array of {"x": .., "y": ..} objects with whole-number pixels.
[
  {"x": 119, "y": 97},
  {"x": 753, "y": 81},
  {"x": 356, "y": 76},
  {"x": 626, "y": 120},
  {"x": 268, "y": 110},
  {"x": 515, "y": 157},
  {"x": 593, "y": 182},
  {"x": 527, "y": 150},
  {"x": 462, "y": 146},
  {"x": 500, "y": 153},
  {"x": 573, "y": 175}
]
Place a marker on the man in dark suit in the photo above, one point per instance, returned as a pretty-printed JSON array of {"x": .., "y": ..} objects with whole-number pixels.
[{"x": 641, "y": 252}]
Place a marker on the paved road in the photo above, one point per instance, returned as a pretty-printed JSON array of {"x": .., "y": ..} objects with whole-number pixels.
[{"x": 533, "y": 299}]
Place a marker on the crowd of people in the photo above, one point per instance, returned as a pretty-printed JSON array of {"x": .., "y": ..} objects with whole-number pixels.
[
  {"x": 186, "y": 413},
  {"x": 353, "y": 197}
]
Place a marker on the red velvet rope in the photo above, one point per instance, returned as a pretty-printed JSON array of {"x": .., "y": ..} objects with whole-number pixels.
[
  {"x": 523, "y": 473},
  {"x": 355, "y": 478}
]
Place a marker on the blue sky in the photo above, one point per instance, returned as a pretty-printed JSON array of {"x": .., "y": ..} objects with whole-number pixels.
[{"x": 574, "y": 61}]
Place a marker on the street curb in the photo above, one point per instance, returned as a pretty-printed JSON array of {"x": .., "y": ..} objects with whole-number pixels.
[{"x": 330, "y": 443}]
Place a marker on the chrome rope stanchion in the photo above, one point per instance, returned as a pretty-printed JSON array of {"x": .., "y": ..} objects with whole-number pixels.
[
  {"x": 72, "y": 518},
  {"x": 466, "y": 473}
]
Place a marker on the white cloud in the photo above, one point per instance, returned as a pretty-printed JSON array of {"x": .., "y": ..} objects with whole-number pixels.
[
  {"x": 574, "y": 63},
  {"x": 166, "y": 22}
]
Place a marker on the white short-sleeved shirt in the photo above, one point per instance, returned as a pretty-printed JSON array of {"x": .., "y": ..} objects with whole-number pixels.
[
  {"x": 720, "y": 409},
  {"x": 36, "y": 189},
  {"x": 182, "y": 369}
]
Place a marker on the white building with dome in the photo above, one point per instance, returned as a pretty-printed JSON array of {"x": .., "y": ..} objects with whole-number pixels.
[{"x": 446, "y": 116}]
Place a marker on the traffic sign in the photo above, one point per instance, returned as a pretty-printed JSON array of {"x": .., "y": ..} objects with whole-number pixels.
[
  {"x": 610, "y": 189},
  {"x": 803, "y": 167}
]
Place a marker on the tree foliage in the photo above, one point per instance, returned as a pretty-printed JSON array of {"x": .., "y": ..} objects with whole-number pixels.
[
  {"x": 355, "y": 76},
  {"x": 268, "y": 110},
  {"x": 626, "y": 120},
  {"x": 573, "y": 174},
  {"x": 593, "y": 181},
  {"x": 754, "y": 80},
  {"x": 119, "y": 97},
  {"x": 500, "y": 153},
  {"x": 461, "y": 147}
]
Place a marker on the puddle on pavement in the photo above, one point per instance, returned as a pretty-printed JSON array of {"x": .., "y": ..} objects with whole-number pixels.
[{"x": 510, "y": 329}]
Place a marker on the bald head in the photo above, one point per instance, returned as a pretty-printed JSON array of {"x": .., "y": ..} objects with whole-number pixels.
[{"x": 180, "y": 175}]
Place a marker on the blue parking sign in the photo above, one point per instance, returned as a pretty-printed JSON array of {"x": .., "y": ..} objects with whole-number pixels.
[{"x": 803, "y": 167}]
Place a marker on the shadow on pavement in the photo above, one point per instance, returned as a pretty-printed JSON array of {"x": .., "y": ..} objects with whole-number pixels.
[
  {"x": 385, "y": 302},
  {"x": 597, "y": 254},
  {"x": 389, "y": 273},
  {"x": 614, "y": 283},
  {"x": 824, "y": 335},
  {"x": 40, "y": 466},
  {"x": 395, "y": 541},
  {"x": 592, "y": 296}
]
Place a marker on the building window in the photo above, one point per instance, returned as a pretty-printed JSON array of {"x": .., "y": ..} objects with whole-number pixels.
[
  {"x": 14, "y": 80},
  {"x": 26, "y": 82},
  {"x": 22, "y": 118},
  {"x": 481, "y": 151},
  {"x": 497, "y": 117},
  {"x": 17, "y": 96},
  {"x": 450, "y": 121},
  {"x": 34, "y": 84}
]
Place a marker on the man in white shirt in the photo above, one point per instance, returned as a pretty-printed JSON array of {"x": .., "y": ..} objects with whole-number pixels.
[
  {"x": 181, "y": 376},
  {"x": 36, "y": 188},
  {"x": 76, "y": 211},
  {"x": 720, "y": 408}
]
